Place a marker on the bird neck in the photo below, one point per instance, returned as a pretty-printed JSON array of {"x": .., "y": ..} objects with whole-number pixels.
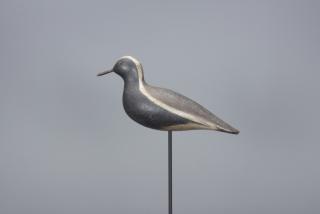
[{"x": 134, "y": 83}]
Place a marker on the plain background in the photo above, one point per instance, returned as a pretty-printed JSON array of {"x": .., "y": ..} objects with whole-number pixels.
[{"x": 67, "y": 146}]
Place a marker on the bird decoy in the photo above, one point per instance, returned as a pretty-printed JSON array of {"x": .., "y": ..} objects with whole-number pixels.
[{"x": 162, "y": 109}]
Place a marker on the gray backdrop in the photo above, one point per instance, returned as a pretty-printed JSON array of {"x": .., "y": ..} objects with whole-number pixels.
[{"x": 66, "y": 145}]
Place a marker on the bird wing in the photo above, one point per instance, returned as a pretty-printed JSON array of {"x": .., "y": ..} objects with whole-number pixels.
[{"x": 189, "y": 108}]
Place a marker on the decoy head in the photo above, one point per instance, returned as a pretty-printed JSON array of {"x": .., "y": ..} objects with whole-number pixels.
[{"x": 127, "y": 67}]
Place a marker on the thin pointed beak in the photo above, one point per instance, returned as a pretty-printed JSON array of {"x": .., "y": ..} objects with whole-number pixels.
[{"x": 105, "y": 72}]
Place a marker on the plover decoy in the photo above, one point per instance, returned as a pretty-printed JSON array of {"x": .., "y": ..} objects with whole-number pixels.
[{"x": 160, "y": 108}]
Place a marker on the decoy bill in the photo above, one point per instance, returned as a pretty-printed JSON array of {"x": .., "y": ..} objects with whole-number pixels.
[{"x": 160, "y": 108}]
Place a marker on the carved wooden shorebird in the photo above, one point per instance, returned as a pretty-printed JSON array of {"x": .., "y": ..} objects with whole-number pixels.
[{"x": 162, "y": 109}]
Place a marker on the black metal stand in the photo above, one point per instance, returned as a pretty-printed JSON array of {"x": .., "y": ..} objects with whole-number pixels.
[{"x": 170, "y": 171}]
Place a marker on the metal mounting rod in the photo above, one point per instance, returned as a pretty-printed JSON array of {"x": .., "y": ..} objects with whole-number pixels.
[{"x": 170, "y": 171}]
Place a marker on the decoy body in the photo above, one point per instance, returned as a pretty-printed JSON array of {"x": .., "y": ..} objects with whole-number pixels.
[{"x": 160, "y": 108}]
